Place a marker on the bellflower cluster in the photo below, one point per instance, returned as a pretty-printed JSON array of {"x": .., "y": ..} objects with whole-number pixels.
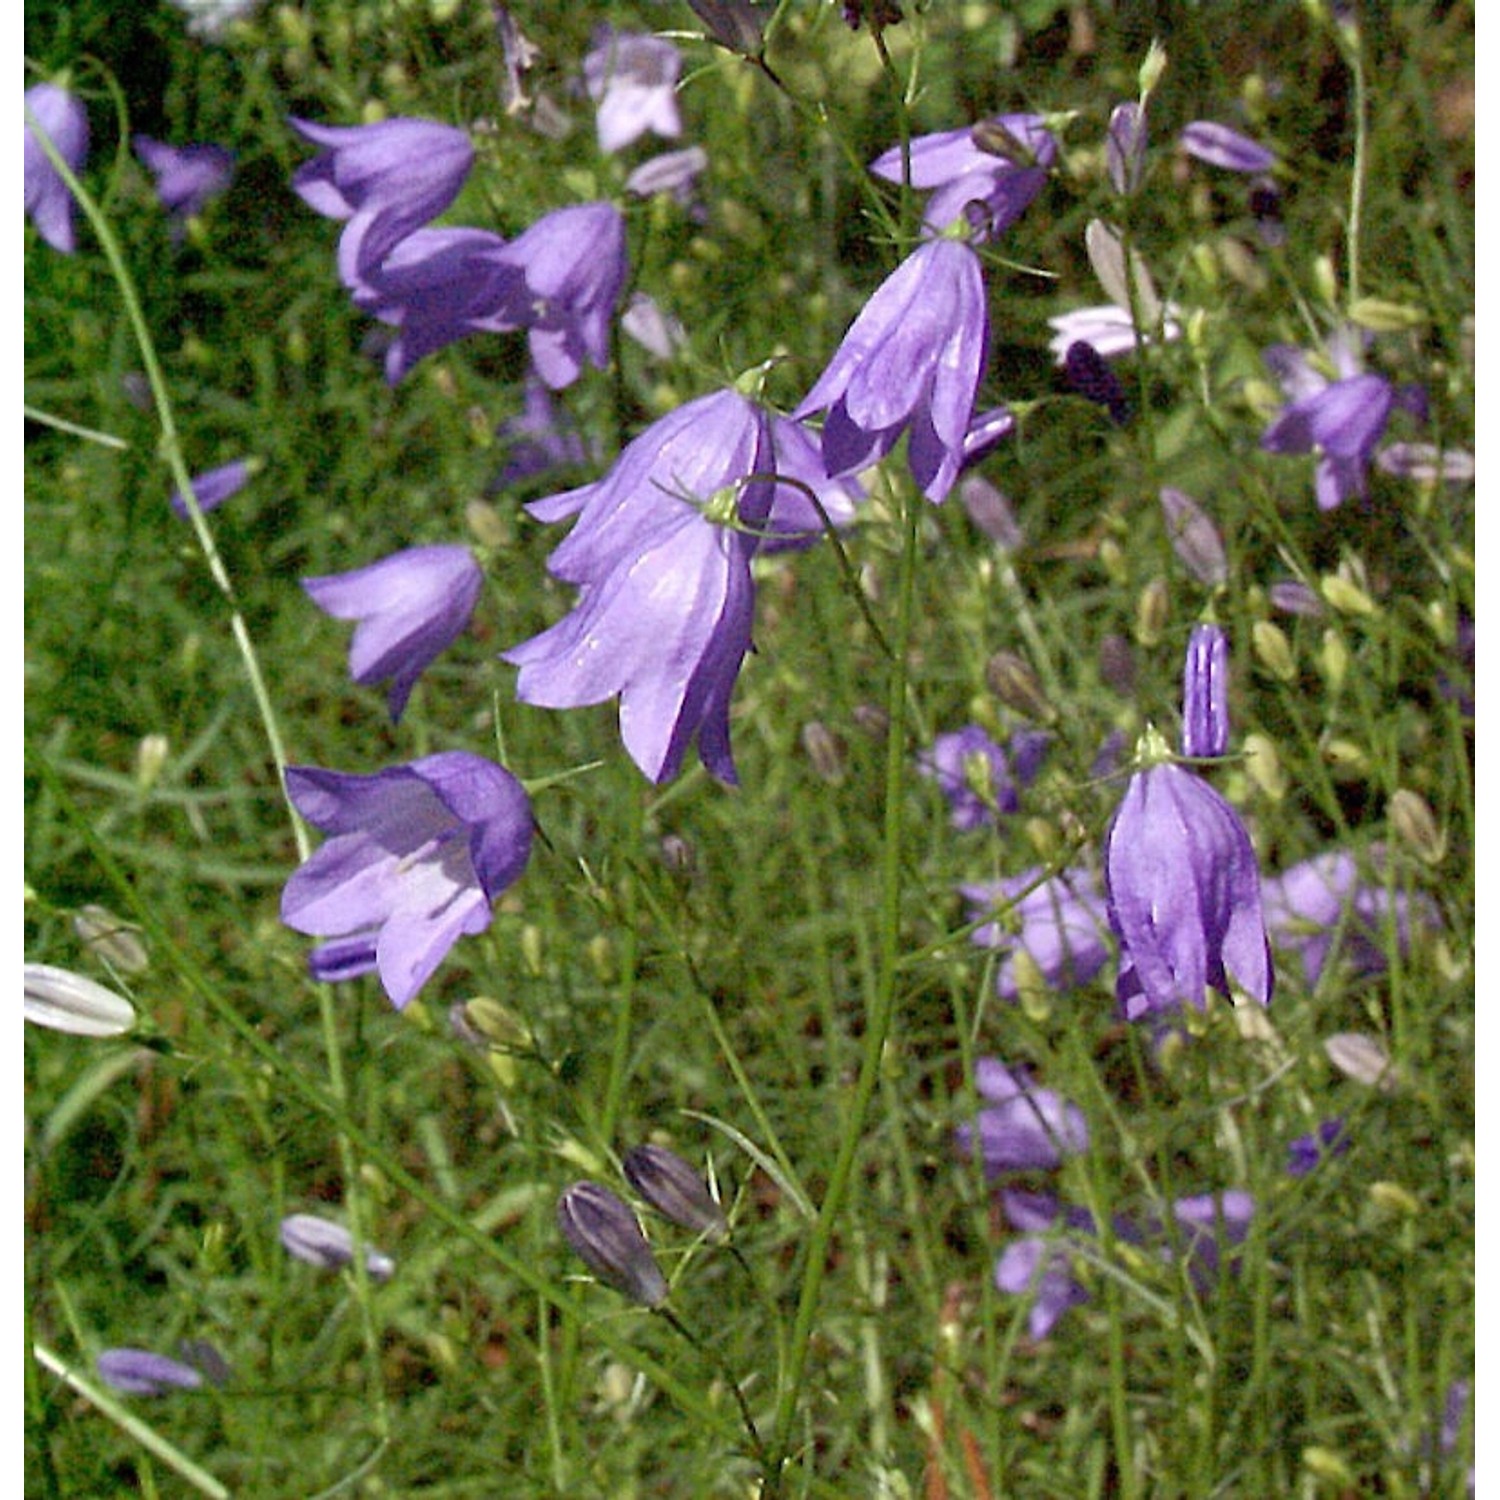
[
  {"x": 385, "y": 180},
  {"x": 633, "y": 80},
  {"x": 1000, "y": 165},
  {"x": 979, "y": 778},
  {"x": 411, "y": 606},
  {"x": 911, "y": 361},
  {"x": 415, "y": 856},
  {"x": 1058, "y": 923},
  {"x": 49, "y": 204},
  {"x": 1024, "y": 1128},
  {"x": 1340, "y": 420},
  {"x": 661, "y": 554},
  {"x": 1183, "y": 882},
  {"x": 187, "y": 177}
]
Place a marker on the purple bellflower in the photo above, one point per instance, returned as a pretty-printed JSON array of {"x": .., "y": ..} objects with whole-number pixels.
[
  {"x": 1331, "y": 1138},
  {"x": 607, "y": 1237},
  {"x": 411, "y": 606},
  {"x": 1340, "y": 420},
  {"x": 912, "y": 359},
  {"x": 1088, "y": 372},
  {"x": 386, "y": 180},
  {"x": 1059, "y": 923},
  {"x": 794, "y": 521},
  {"x": 979, "y": 778},
  {"x": 661, "y": 553},
  {"x": 139, "y": 1372},
  {"x": 1125, "y": 147},
  {"x": 1025, "y": 1128},
  {"x": 187, "y": 177},
  {"x": 320, "y": 1242},
  {"x": 633, "y": 80},
  {"x": 415, "y": 856},
  {"x": 540, "y": 438},
  {"x": 999, "y": 164},
  {"x": 213, "y": 487},
  {"x": 1220, "y": 146},
  {"x": 1205, "y": 693},
  {"x": 673, "y": 172},
  {"x": 49, "y": 204}
]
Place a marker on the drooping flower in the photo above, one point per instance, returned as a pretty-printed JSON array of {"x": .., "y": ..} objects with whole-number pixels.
[
  {"x": 673, "y": 172},
  {"x": 607, "y": 1238},
  {"x": 415, "y": 855},
  {"x": 139, "y": 1372},
  {"x": 979, "y": 778},
  {"x": 674, "y": 1190},
  {"x": 386, "y": 179},
  {"x": 1000, "y": 164},
  {"x": 1024, "y": 1128},
  {"x": 411, "y": 606},
  {"x": 1058, "y": 923},
  {"x": 633, "y": 80},
  {"x": 663, "y": 617},
  {"x": 1107, "y": 329},
  {"x": 1087, "y": 371},
  {"x": 320, "y": 1242},
  {"x": 539, "y": 438},
  {"x": 187, "y": 177},
  {"x": 1220, "y": 146},
  {"x": 657, "y": 331},
  {"x": 61, "y": 1000},
  {"x": 64, "y": 120},
  {"x": 912, "y": 360},
  {"x": 1340, "y": 420},
  {"x": 214, "y": 486}
]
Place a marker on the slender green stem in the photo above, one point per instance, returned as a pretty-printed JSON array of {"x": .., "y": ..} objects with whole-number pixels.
[{"x": 1360, "y": 169}]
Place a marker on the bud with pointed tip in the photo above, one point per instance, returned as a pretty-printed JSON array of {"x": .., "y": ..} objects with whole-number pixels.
[
  {"x": 675, "y": 1190},
  {"x": 606, "y": 1237}
]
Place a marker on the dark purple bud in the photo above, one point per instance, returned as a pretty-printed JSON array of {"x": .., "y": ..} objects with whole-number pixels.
[
  {"x": 675, "y": 1190},
  {"x": 1205, "y": 693},
  {"x": 606, "y": 1237},
  {"x": 734, "y": 24},
  {"x": 1088, "y": 373},
  {"x": 1329, "y": 1139}
]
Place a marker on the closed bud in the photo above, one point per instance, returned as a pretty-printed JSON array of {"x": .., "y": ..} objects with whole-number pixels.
[
  {"x": 1263, "y": 766},
  {"x": 1195, "y": 539},
  {"x": 601, "y": 954},
  {"x": 1333, "y": 660},
  {"x": 604, "y": 1234},
  {"x": 61, "y": 1000},
  {"x": 531, "y": 949},
  {"x": 1329, "y": 1467},
  {"x": 677, "y": 854},
  {"x": 1153, "y": 606},
  {"x": 734, "y": 24},
  {"x": 1113, "y": 560},
  {"x": 1205, "y": 693},
  {"x": 112, "y": 941},
  {"x": 150, "y": 760},
  {"x": 486, "y": 524},
  {"x": 1346, "y": 596},
  {"x": 1363, "y": 1059},
  {"x": 483, "y": 1022},
  {"x": 1273, "y": 650},
  {"x": 1152, "y": 68},
  {"x": 320, "y": 1242},
  {"x": 675, "y": 1191},
  {"x": 1393, "y": 1199},
  {"x": 1326, "y": 280},
  {"x": 1012, "y": 681},
  {"x": 1412, "y": 817},
  {"x": 1117, "y": 664},
  {"x": 1382, "y": 316},
  {"x": 1293, "y": 597},
  {"x": 1346, "y": 757},
  {"x": 824, "y": 751}
]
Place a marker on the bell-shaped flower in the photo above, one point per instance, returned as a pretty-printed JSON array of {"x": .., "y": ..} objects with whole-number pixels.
[
  {"x": 65, "y": 122},
  {"x": 541, "y": 437},
  {"x": 661, "y": 552},
  {"x": 320, "y": 1242},
  {"x": 187, "y": 177},
  {"x": 1059, "y": 924},
  {"x": 1125, "y": 147},
  {"x": 1184, "y": 895},
  {"x": 411, "y": 606},
  {"x": 386, "y": 179},
  {"x": 980, "y": 779},
  {"x": 1108, "y": 329},
  {"x": 911, "y": 361},
  {"x": 574, "y": 264},
  {"x": 414, "y": 858},
  {"x": 795, "y": 521},
  {"x": 1039, "y": 1267},
  {"x": 1024, "y": 1128},
  {"x": 607, "y": 1238},
  {"x": 214, "y": 486},
  {"x": 633, "y": 80},
  {"x": 1220, "y": 146},
  {"x": 1205, "y": 693},
  {"x": 999, "y": 164}
]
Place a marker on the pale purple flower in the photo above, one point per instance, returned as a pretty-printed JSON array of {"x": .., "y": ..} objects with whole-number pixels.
[
  {"x": 1220, "y": 146},
  {"x": 988, "y": 508},
  {"x": 607, "y": 1238},
  {"x": 633, "y": 80},
  {"x": 139, "y": 1372},
  {"x": 794, "y": 521},
  {"x": 1205, "y": 693},
  {"x": 1293, "y": 597},
  {"x": 386, "y": 179},
  {"x": 1059, "y": 923},
  {"x": 574, "y": 263},
  {"x": 1041, "y": 1268},
  {"x": 540, "y": 438},
  {"x": 187, "y": 177},
  {"x": 1108, "y": 329},
  {"x": 661, "y": 552},
  {"x": 979, "y": 778},
  {"x": 1331, "y": 1138},
  {"x": 1194, "y": 537},
  {"x": 411, "y": 606},
  {"x": 999, "y": 164},
  {"x": 64, "y": 120},
  {"x": 912, "y": 360},
  {"x": 320, "y": 1242},
  {"x": 1325, "y": 901},
  {"x": 1340, "y": 420},
  {"x": 213, "y": 487},
  {"x": 986, "y": 431},
  {"x": 1184, "y": 895},
  {"x": 674, "y": 172},
  {"x": 1024, "y": 1128},
  {"x": 1125, "y": 147},
  {"x": 414, "y": 858},
  {"x": 656, "y": 331},
  {"x": 1427, "y": 463}
]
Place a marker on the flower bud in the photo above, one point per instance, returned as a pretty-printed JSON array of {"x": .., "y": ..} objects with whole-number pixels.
[
  {"x": 734, "y": 24},
  {"x": 1263, "y": 765},
  {"x": 150, "y": 760},
  {"x": 139, "y": 1372},
  {"x": 64, "y": 1001},
  {"x": 1329, "y": 1467},
  {"x": 1117, "y": 664},
  {"x": 1412, "y": 817},
  {"x": 1346, "y": 596},
  {"x": 1363, "y": 1059},
  {"x": 1125, "y": 147},
  {"x": 824, "y": 751},
  {"x": 1195, "y": 539},
  {"x": 1152, "y": 609},
  {"x": 1293, "y": 597},
  {"x": 1393, "y": 1199},
  {"x": 606, "y": 1237},
  {"x": 1205, "y": 693},
  {"x": 321, "y": 1242},
  {"x": 1012, "y": 681},
  {"x": 674, "y": 1190},
  {"x": 1333, "y": 660},
  {"x": 110, "y": 940},
  {"x": 1273, "y": 650}
]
